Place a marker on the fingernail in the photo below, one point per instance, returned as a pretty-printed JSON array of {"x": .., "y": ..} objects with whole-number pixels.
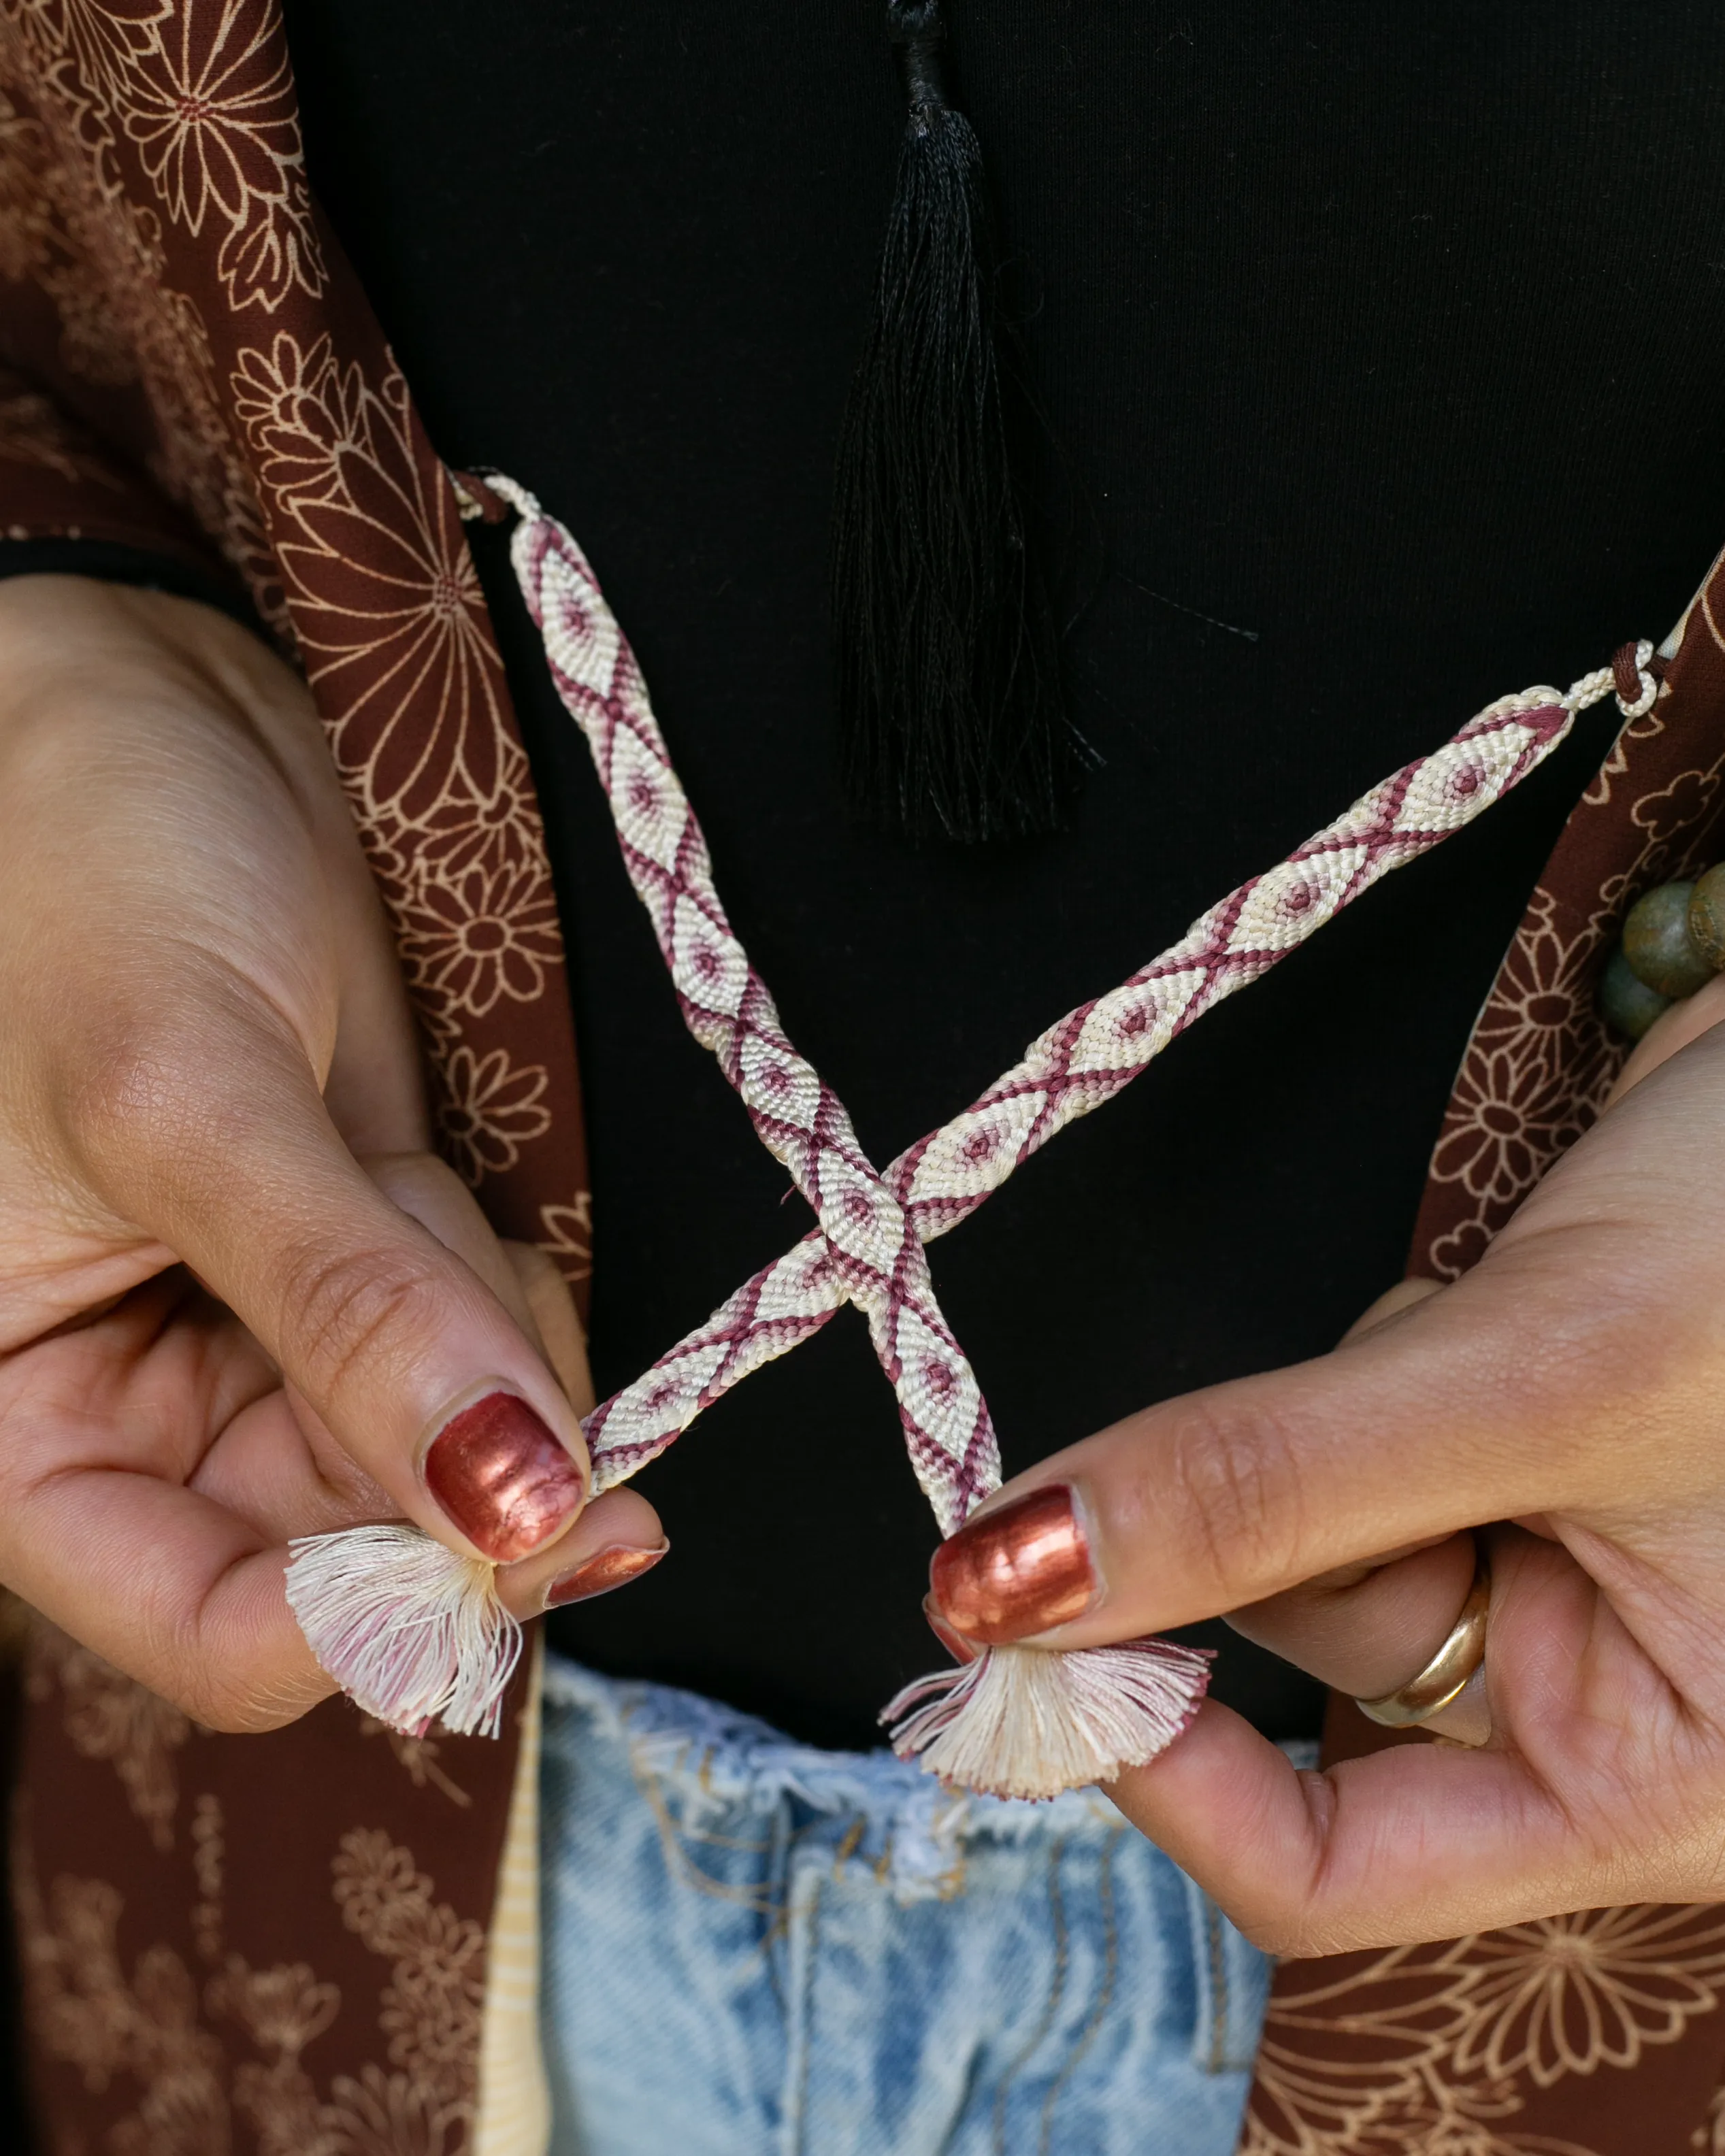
[
  {"x": 598, "y": 1574},
  {"x": 1022, "y": 1568},
  {"x": 502, "y": 1477},
  {"x": 955, "y": 1643}
]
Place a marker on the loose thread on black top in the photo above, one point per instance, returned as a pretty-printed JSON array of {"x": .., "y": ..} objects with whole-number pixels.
[{"x": 952, "y": 718}]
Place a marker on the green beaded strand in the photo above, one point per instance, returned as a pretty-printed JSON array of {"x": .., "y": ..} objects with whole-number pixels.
[
  {"x": 1625, "y": 999},
  {"x": 1706, "y": 916},
  {"x": 1657, "y": 943},
  {"x": 1673, "y": 943}
]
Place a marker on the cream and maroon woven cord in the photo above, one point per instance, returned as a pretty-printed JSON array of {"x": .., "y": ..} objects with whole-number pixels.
[
  {"x": 862, "y": 1250},
  {"x": 870, "y": 1251},
  {"x": 1110, "y": 1706}
]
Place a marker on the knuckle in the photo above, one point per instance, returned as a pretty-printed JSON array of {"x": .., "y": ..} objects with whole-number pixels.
[
  {"x": 241, "y": 1705},
  {"x": 140, "y": 1093},
  {"x": 1237, "y": 1482},
  {"x": 540, "y": 1280},
  {"x": 1277, "y": 1924},
  {"x": 359, "y": 1316},
  {"x": 124, "y": 1067},
  {"x": 1273, "y": 1931},
  {"x": 1622, "y": 1364},
  {"x": 406, "y": 1179},
  {"x": 234, "y": 1687},
  {"x": 1285, "y": 1935},
  {"x": 1285, "y": 1921},
  {"x": 221, "y": 1659}
]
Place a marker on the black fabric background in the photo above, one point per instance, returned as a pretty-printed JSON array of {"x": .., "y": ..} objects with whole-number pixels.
[{"x": 1387, "y": 349}]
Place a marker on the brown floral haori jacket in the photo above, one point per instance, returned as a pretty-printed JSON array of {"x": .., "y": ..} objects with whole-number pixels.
[{"x": 283, "y": 1944}]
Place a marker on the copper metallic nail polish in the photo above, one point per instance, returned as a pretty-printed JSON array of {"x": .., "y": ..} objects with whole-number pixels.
[
  {"x": 598, "y": 1574},
  {"x": 1021, "y": 1569},
  {"x": 955, "y": 1643},
  {"x": 502, "y": 1477}
]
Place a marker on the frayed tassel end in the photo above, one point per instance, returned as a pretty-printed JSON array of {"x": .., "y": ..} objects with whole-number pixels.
[
  {"x": 413, "y": 1633},
  {"x": 1027, "y": 1721}
]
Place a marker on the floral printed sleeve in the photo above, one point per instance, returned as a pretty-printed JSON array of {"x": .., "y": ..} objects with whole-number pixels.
[
  {"x": 196, "y": 373},
  {"x": 196, "y": 377}
]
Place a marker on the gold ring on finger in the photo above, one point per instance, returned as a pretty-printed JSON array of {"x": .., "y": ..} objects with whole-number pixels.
[{"x": 1446, "y": 1675}]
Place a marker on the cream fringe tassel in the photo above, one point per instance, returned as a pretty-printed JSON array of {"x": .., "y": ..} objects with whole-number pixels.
[
  {"x": 1030, "y": 1721},
  {"x": 413, "y": 1633}
]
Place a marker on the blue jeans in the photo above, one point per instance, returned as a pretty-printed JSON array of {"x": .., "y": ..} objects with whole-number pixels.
[{"x": 755, "y": 1948}]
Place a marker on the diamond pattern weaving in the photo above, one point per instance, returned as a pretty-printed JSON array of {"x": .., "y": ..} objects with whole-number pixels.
[{"x": 1017, "y": 1722}]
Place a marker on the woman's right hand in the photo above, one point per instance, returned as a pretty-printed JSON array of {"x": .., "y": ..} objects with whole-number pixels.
[{"x": 239, "y": 1301}]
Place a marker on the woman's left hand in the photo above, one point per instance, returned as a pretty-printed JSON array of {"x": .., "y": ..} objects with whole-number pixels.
[{"x": 1566, "y": 1398}]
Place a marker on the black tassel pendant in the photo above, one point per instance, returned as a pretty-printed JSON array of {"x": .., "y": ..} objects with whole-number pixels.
[{"x": 952, "y": 719}]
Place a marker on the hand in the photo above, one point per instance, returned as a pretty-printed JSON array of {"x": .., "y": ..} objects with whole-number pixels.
[
  {"x": 1568, "y": 1398},
  {"x": 238, "y": 1300}
]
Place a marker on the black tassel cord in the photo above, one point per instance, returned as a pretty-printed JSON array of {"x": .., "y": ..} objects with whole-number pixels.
[{"x": 952, "y": 721}]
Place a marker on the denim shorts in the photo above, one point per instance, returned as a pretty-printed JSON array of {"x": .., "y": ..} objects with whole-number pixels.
[{"x": 755, "y": 1948}]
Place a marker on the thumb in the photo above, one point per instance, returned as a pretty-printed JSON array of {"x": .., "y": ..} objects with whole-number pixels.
[
  {"x": 1469, "y": 1407},
  {"x": 221, "y": 1147}
]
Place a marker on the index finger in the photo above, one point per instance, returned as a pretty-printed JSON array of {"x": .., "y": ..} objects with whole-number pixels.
[{"x": 1466, "y": 1408}]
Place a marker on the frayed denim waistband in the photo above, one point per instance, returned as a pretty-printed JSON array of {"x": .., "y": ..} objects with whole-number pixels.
[
  {"x": 713, "y": 1763},
  {"x": 756, "y": 1948}
]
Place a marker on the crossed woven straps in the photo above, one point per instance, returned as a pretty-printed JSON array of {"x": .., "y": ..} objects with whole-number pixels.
[
  {"x": 867, "y": 1247},
  {"x": 413, "y": 1635}
]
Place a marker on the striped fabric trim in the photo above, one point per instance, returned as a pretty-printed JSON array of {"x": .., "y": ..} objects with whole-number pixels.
[{"x": 514, "y": 2095}]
